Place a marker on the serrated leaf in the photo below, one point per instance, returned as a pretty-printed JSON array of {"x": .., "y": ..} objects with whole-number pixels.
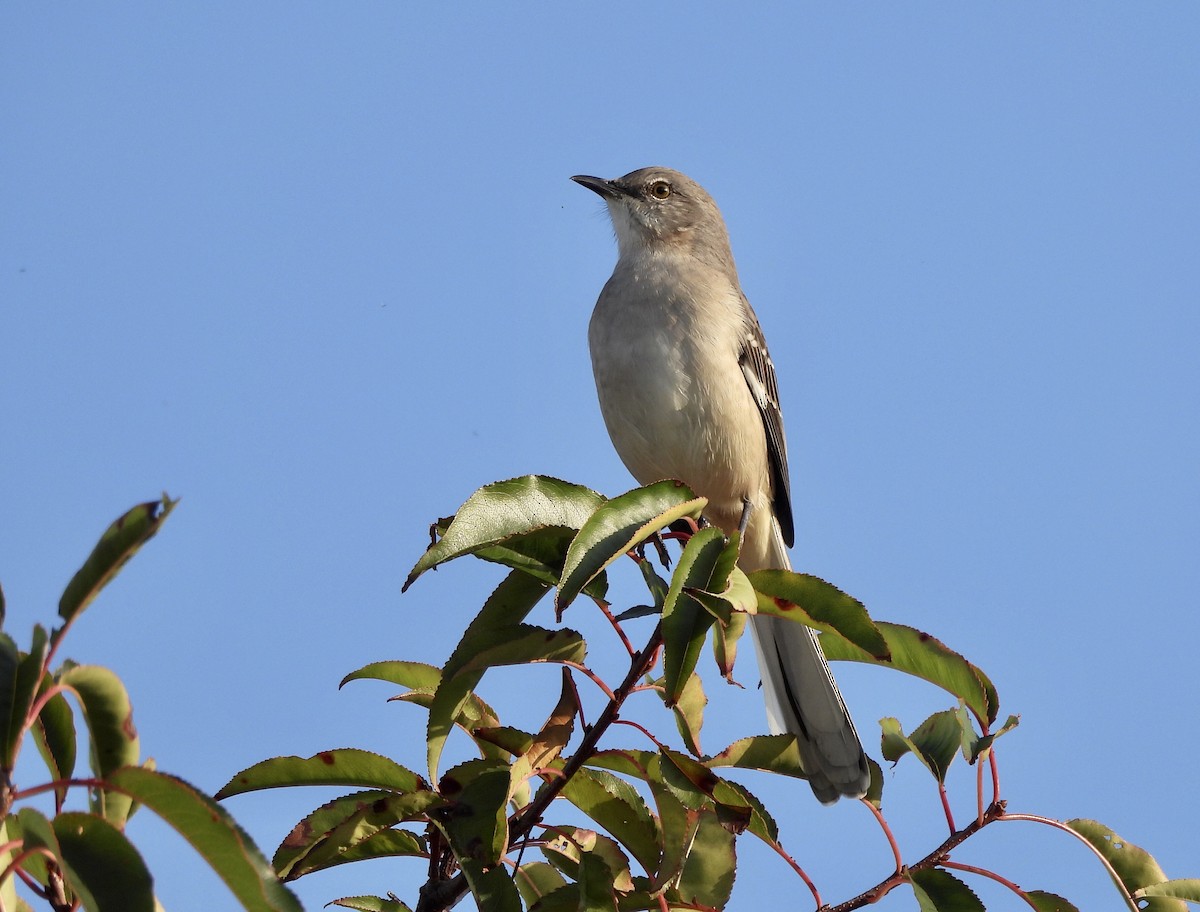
[
  {"x": 114, "y": 739},
  {"x": 102, "y": 863},
  {"x": 689, "y": 713},
  {"x": 207, "y": 827},
  {"x": 940, "y": 891},
  {"x": 685, "y": 622},
  {"x": 809, "y": 599},
  {"x": 875, "y": 789},
  {"x": 541, "y": 555},
  {"x": 508, "y": 605},
  {"x": 333, "y": 831},
  {"x": 54, "y": 734},
  {"x": 1135, "y": 867},
  {"x": 973, "y": 745},
  {"x": 935, "y": 742},
  {"x": 10, "y": 714},
  {"x": 725, "y": 641},
  {"x": 711, "y": 865},
  {"x": 619, "y": 525},
  {"x": 923, "y": 656},
  {"x": 1049, "y": 902},
  {"x": 474, "y": 821},
  {"x": 544, "y": 749},
  {"x": 773, "y": 753},
  {"x": 1185, "y": 888},
  {"x": 370, "y": 904},
  {"x": 617, "y": 807},
  {"x": 346, "y": 766},
  {"x": 504, "y": 510},
  {"x": 537, "y": 879},
  {"x": 120, "y": 541},
  {"x": 679, "y": 824},
  {"x": 521, "y": 644},
  {"x": 417, "y": 675}
]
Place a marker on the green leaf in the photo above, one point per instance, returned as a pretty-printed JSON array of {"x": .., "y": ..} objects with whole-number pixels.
[
  {"x": 939, "y": 891},
  {"x": 213, "y": 833},
  {"x": 493, "y": 889},
  {"x": 119, "y": 542},
  {"x": 935, "y": 742},
  {"x": 417, "y": 675},
  {"x": 10, "y": 832},
  {"x": 810, "y": 600},
  {"x": 114, "y": 739},
  {"x": 54, "y": 734},
  {"x": 344, "y": 766},
  {"x": 326, "y": 836},
  {"x": 1049, "y": 902},
  {"x": 620, "y": 525},
  {"x": 773, "y": 753},
  {"x": 679, "y": 824},
  {"x": 25, "y": 683},
  {"x": 500, "y": 512},
  {"x": 102, "y": 863},
  {"x": 11, "y": 715},
  {"x": 875, "y": 789},
  {"x": 1188, "y": 889},
  {"x": 921, "y": 655},
  {"x": 689, "y": 713},
  {"x": 537, "y": 879},
  {"x": 617, "y": 807},
  {"x": 685, "y": 622},
  {"x": 501, "y": 614},
  {"x": 725, "y": 642},
  {"x": 521, "y": 644},
  {"x": 1135, "y": 867},
  {"x": 711, "y": 864},
  {"x": 371, "y": 904},
  {"x": 474, "y": 820}
]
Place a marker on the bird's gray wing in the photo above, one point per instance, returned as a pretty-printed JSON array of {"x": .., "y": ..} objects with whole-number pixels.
[{"x": 759, "y": 372}]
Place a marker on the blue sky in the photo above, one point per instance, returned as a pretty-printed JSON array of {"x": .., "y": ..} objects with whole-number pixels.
[{"x": 319, "y": 271}]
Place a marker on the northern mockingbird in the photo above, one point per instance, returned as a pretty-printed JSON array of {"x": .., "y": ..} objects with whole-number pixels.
[{"x": 688, "y": 391}]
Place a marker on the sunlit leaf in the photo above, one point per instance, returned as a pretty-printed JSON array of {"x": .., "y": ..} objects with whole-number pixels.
[
  {"x": 679, "y": 824},
  {"x": 206, "y": 826},
  {"x": 689, "y": 713},
  {"x": 1049, "y": 902},
  {"x": 1135, "y": 867},
  {"x": 345, "y": 766},
  {"x": 501, "y": 511},
  {"x": 618, "y": 526},
  {"x": 109, "y": 717},
  {"x": 806, "y": 598},
  {"x": 685, "y": 622},
  {"x": 709, "y": 871},
  {"x": 921, "y": 655},
  {"x": 371, "y": 904},
  {"x": 935, "y": 742},
  {"x": 508, "y": 605},
  {"x": 617, "y": 807},
  {"x": 939, "y": 891},
  {"x": 102, "y": 863},
  {"x": 119, "y": 542},
  {"x": 54, "y": 734},
  {"x": 475, "y": 823},
  {"x": 537, "y": 879},
  {"x": 1187, "y": 888},
  {"x": 417, "y": 675},
  {"x": 326, "y": 836},
  {"x": 773, "y": 753}
]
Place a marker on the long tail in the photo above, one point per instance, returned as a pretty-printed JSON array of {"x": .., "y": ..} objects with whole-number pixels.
[{"x": 802, "y": 697}]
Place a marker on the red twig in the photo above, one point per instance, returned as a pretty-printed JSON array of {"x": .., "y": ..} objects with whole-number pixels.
[{"x": 992, "y": 875}]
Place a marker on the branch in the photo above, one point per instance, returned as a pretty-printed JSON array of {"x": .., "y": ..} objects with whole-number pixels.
[
  {"x": 933, "y": 859},
  {"x": 440, "y": 895}
]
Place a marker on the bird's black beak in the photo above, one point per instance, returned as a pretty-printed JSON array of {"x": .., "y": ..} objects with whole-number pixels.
[{"x": 605, "y": 188}]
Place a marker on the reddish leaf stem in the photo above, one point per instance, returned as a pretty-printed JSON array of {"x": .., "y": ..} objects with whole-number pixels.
[{"x": 991, "y": 875}]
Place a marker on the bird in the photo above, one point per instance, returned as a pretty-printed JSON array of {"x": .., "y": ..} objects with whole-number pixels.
[{"x": 688, "y": 391}]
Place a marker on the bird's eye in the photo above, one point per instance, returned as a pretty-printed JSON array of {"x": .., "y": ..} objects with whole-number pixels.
[{"x": 660, "y": 190}]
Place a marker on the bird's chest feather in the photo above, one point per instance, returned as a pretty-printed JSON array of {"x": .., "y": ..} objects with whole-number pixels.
[{"x": 667, "y": 373}]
